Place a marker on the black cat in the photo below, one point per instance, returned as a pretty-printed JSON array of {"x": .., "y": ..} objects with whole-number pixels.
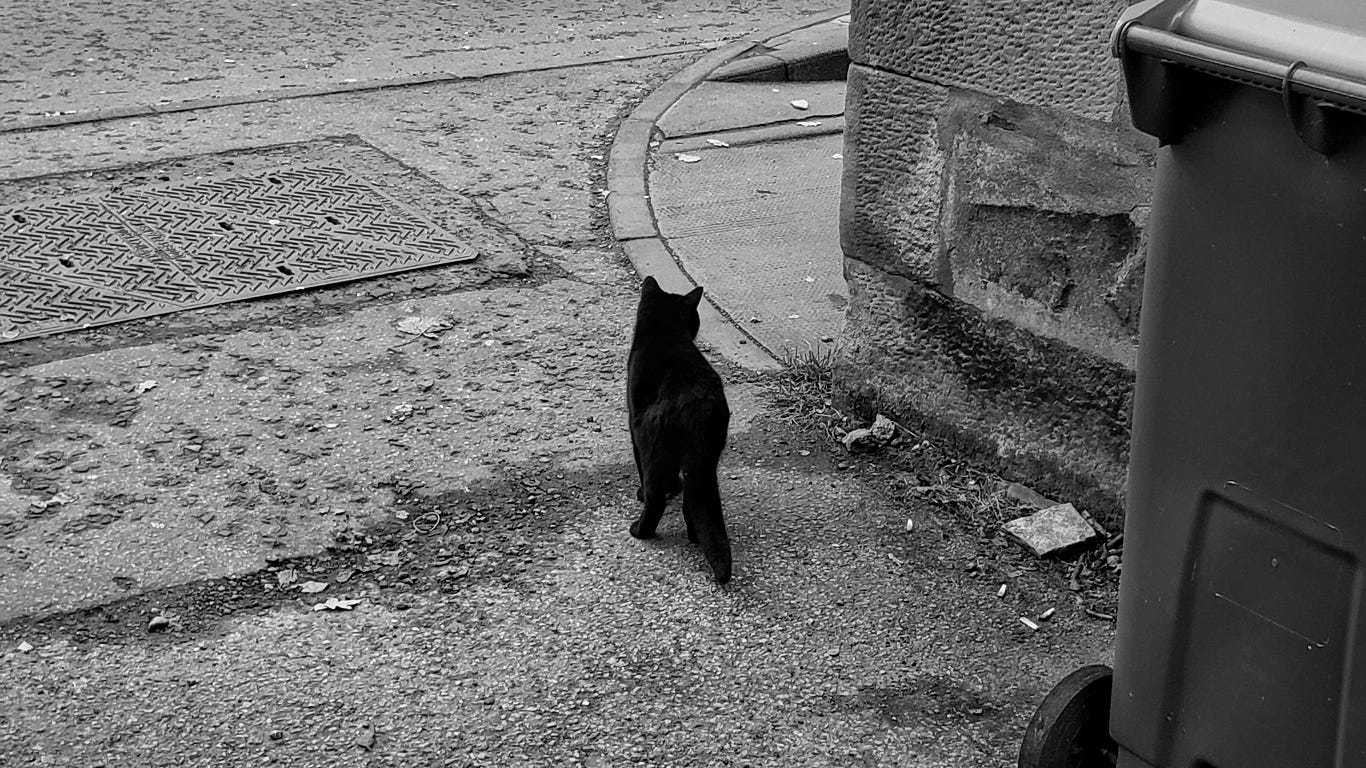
[{"x": 679, "y": 419}]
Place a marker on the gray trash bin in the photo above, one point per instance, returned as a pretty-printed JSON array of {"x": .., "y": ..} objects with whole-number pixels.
[{"x": 1242, "y": 591}]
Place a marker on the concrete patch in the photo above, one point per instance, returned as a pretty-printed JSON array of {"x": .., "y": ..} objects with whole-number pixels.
[{"x": 757, "y": 226}]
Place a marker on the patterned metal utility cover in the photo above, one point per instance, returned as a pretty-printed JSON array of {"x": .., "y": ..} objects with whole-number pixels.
[{"x": 77, "y": 262}]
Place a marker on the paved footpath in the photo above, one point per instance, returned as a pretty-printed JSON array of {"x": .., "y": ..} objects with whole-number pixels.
[{"x": 178, "y": 493}]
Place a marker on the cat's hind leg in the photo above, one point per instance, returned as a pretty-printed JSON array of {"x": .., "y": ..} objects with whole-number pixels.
[
  {"x": 659, "y": 472},
  {"x": 675, "y": 485}
]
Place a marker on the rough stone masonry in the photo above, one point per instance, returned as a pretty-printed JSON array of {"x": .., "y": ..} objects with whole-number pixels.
[{"x": 992, "y": 214}]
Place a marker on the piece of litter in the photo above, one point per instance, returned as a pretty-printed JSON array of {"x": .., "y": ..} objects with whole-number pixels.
[
  {"x": 25, "y": 647},
  {"x": 809, "y": 279},
  {"x": 366, "y": 738},
  {"x": 1099, "y": 615},
  {"x": 1029, "y": 623},
  {"x": 800, "y": 103},
  {"x": 717, "y": 143},
  {"x": 385, "y": 558},
  {"x": 683, "y": 158},
  {"x": 422, "y": 326},
  {"x": 910, "y": 525},
  {"x": 146, "y": 385},
  {"x": 1048, "y": 614},
  {"x": 838, "y": 156},
  {"x": 1002, "y": 591},
  {"x": 337, "y": 604},
  {"x": 809, "y": 123},
  {"x": 882, "y": 430},
  {"x": 287, "y": 576},
  {"x": 1051, "y": 530},
  {"x": 311, "y": 587}
]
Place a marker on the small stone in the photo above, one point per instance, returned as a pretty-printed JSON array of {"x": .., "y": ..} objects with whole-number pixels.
[
  {"x": 1026, "y": 495},
  {"x": 158, "y": 624},
  {"x": 1050, "y": 531},
  {"x": 25, "y": 646}
]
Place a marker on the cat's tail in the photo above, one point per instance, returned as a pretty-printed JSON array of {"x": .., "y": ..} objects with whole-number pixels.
[{"x": 702, "y": 509}]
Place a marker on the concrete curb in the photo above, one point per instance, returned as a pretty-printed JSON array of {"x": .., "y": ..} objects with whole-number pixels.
[
  {"x": 816, "y": 52},
  {"x": 628, "y": 202}
]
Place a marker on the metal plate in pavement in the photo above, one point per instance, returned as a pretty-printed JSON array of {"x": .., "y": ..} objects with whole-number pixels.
[{"x": 77, "y": 262}]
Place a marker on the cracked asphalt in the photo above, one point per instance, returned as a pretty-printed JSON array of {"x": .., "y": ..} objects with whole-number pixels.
[{"x": 223, "y": 471}]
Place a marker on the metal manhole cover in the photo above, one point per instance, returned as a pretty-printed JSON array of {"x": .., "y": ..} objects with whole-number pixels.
[{"x": 77, "y": 262}]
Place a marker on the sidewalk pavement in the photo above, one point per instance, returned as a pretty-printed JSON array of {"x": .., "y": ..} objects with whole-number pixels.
[{"x": 728, "y": 177}]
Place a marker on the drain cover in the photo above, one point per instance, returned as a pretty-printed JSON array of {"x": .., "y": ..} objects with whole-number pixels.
[{"x": 77, "y": 262}]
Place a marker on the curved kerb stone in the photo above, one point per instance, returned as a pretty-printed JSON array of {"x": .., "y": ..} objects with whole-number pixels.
[{"x": 628, "y": 202}]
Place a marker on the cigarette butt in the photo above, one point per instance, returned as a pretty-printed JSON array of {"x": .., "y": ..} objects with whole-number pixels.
[
  {"x": 1028, "y": 623},
  {"x": 1048, "y": 614},
  {"x": 1002, "y": 591}
]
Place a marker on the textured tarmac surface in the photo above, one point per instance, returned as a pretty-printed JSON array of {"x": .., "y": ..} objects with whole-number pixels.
[{"x": 471, "y": 488}]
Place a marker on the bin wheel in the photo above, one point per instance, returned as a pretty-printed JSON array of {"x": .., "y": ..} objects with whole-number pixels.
[{"x": 1071, "y": 728}]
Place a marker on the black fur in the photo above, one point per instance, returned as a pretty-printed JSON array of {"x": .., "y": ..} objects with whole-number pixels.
[{"x": 679, "y": 419}]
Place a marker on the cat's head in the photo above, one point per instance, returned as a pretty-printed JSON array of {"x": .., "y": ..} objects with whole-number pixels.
[{"x": 679, "y": 306}]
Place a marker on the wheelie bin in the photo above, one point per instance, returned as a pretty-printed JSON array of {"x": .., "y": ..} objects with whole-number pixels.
[{"x": 1241, "y": 598}]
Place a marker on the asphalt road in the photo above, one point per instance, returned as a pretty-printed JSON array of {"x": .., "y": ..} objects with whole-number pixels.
[{"x": 471, "y": 490}]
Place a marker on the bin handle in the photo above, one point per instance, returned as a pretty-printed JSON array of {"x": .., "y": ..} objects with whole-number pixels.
[
  {"x": 1307, "y": 115},
  {"x": 1299, "y": 80}
]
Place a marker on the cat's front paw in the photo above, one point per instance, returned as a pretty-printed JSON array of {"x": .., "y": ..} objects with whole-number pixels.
[{"x": 636, "y": 532}]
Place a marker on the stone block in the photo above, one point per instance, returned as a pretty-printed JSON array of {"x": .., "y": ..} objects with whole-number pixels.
[
  {"x": 1051, "y": 531},
  {"x": 1031, "y": 214},
  {"x": 893, "y": 168},
  {"x": 1028, "y": 405},
  {"x": 1053, "y": 54}
]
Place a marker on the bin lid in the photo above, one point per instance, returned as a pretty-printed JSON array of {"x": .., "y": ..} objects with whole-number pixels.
[
  {"x": 1310, "y": 48},
  {"x": 1328, "y": 35}
]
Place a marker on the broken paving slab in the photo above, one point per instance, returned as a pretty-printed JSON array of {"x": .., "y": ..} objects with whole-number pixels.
[{"x": 1051, "y": 531}]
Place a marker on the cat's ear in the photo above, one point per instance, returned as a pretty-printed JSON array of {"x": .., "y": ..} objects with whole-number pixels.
[
  {"x": 650, "y": 286},
  {"x": 693, "y": 297}
]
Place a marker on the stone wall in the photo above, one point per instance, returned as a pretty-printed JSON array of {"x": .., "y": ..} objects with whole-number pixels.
[{"x": 994, "y": 199}]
